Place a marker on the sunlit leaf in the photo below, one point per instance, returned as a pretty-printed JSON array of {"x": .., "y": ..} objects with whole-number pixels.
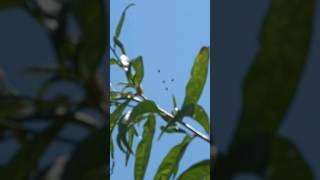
[
  {"x": 198, "y": 171},
  {"x": 170, "y": 163},
  {"x": 198, "y": 77},
  {"x": 144, "y": 148},
  {"x": 138, "y": 66},
  {"x": 121, "y": 22}
]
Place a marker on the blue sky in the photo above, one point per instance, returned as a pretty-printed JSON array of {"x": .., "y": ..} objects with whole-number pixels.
[{"x": 168, "y": 34}]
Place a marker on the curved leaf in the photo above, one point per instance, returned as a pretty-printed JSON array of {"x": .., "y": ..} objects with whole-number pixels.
[
  {"x": 144, "y": 148},
  {"x": 143, "y": 107},
  {"x": 198, "y": 77},
  {"x": 198, "y": 171},
  {"x": 169, "y": 165}
]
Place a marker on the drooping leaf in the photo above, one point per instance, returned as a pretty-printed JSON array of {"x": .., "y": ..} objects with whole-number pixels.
[
  {"x": 274, "y": 76},
  {"x": 138, "y": 66},
  {"x": 89, "y": 156},
  {"x": 169, "y": 165},
  {"x": 26, "y": 160},
  {"x": 198, "y": 77},
  {"x": 200, "y": 170},
  {"x": 144, "y": 148}
]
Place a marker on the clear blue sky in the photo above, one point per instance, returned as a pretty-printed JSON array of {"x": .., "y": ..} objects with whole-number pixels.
[{"x": 168, "y": 34}]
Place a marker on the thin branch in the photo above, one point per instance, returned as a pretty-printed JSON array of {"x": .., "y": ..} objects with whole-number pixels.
[{"x": 188, "y": 126}]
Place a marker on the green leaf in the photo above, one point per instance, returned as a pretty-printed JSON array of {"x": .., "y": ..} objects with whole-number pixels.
[
  {"x": 116, "y": 114},
  {"x": 121, "y": 22},
  {"x": 27, "y": 158},
  {"x": 286, "y": 162},
  {"x": 198, "y": 77},
  {"x": 89, "y": 157},
  {"x": 138, "y": 66},
  {"x": 131, "y": 133},
  {"x": 198, "y": 171},
  {"x": 5, "y": 4},
  {"x": 174, "y": 102},
  {"x": 273, "y": 78},
  {"x": 170, "y": 163},
  {"x": 143, "y": 107},
  {"x": 92, "y": 19},
  {"x": 144, "y": 148},
  {"x": 196, "y": 112}
]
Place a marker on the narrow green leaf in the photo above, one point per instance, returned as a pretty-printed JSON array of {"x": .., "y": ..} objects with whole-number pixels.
[
  {"x": 130, "y": 142},
  {"x": 273, "y": 78},
  {"x": 144, "y": 148},
  {"x": 121, "y": 22},
  {"x": 138, "y": 66},
  {"x": 174, "y": 102},
  {"x": 198, "y": 77},
  {"x": 198, "y": 171},
  {"x": 116, "y": 114},
  {"x": 170, "y": 163}
]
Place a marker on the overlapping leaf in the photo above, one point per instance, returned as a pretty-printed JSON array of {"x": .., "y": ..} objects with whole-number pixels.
[
  {"x": 144, "y": 148},
  {"x": 169, "y": 165}
]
